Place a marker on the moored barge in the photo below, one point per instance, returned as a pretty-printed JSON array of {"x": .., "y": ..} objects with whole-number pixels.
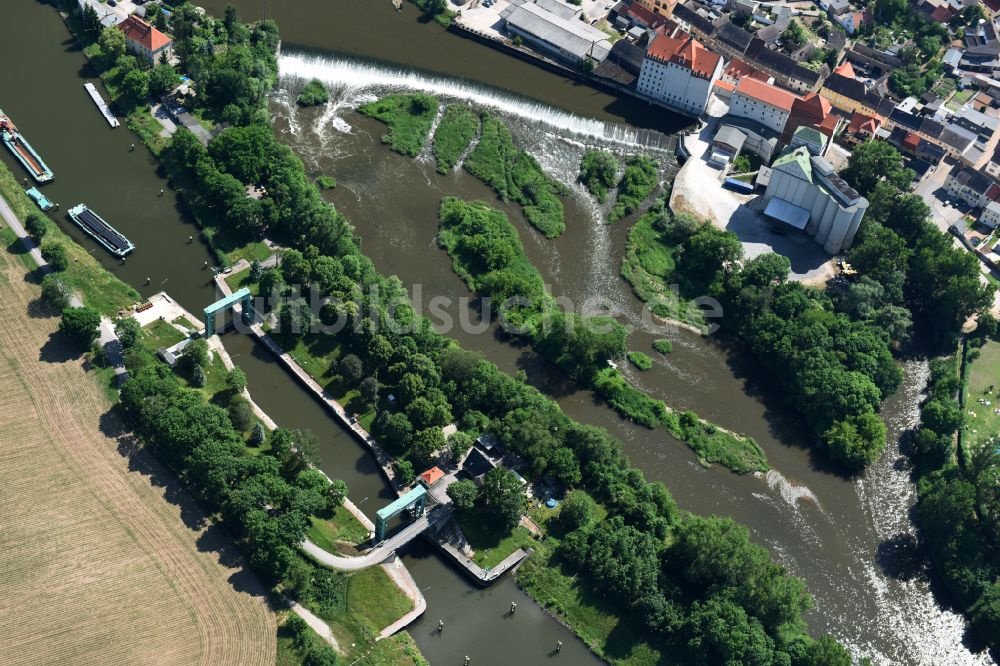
[{"x": 95, "y": 227}]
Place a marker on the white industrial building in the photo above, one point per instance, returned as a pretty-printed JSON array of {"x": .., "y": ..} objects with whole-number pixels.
[
  {"x": 549, "y": 27},
  {"x": 679, "y": 72},
  {"x": 806, "y": 193},
  {"x": 762, "y": 102}
]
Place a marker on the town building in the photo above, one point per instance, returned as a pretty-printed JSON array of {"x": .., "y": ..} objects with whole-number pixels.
[
  {"x": 738, "y": 69},
  {"x": 990, "y": 216},
  {"x": 973, "y": 188},
  {"x": 812, "y": 139},
  {"x": 146, "y": 41},
  {"x": 862, "y": 127},
  {"x": 813, "y": 111},
  {"x": 679, "y": 72},
  {"x": 561, "y": 35},
  {"x": 661, "y": 7},
  {"x": 850, "y": 95},
  {"x": 806, "y": 193},
  {"x": 763, "y": 103},
  {"x": 726, "y": 145}
]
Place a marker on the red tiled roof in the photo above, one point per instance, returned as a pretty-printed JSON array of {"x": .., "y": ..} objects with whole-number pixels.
[
  {"x": 861, "y": 122},
  {"x": 738, "y": 69},
  {"x": 845, "y": 69},
  {"x": 431, "y": 476},
  {"x": 725, "y": 85},
  {"x": 137, "y": 30},
  {"x": 941, "y": 14},
  {"x": 637, "y": 11},
  {"x": 911, "y": 141},
  {"x": 766, "y": 93},
  {"x": 993, "y": 192},
  {"x": 685, "y": 51}
]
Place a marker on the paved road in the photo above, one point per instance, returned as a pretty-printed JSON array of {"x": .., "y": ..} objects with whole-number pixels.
[
  {"x": 381, "y": 552},
  {"x": 109, "y": 341}
]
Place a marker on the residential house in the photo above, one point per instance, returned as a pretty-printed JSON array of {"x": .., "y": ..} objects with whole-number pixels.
[
  {"x": 854, "y": 21},
  {"x": 850, "y": 95},
  {"x": 738, "y": 69},
  {"x": 763, "y": 103},
  {"x": 862, "y": 127},
  {"x": 806, "y": 193},
  {"x": 990, "y": 216},
  {"x": 971, "y": 187},
  {"x": 661, "y": 7},
  {"x": 679, "y": 72},
  {"x": 146, "y": 41}
]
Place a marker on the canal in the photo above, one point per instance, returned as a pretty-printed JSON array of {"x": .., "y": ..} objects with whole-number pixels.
[{"x": 839, "y": 534}]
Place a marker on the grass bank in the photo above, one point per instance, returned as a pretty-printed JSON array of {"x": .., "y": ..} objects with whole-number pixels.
[
  {"x": 330, "y": 530},
  {"x": 98, "y": 288},
  {"x": 409, "y": 118},
  {"x": 648, "y": 265},
  {"x": 458, "y": 127},
  {"x": 637, "y": 183},
  {"x": 516, "y": 176}
]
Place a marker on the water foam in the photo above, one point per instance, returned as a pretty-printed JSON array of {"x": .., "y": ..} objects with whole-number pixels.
[{"x": 354, "y": 77}]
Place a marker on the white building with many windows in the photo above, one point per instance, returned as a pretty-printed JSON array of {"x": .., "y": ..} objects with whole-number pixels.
[
  {"x": 762, "y": 102},
  {"x": 679, "y": 72}
]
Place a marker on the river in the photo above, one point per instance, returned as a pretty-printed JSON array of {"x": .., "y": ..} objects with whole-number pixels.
[{"x": 845, "y": 537}]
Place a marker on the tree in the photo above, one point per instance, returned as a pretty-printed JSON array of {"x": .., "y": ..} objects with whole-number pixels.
[
  {"x": 827, "y": 652},
  {"x": 395, "y": 429},
  {"x": 56, "y": 256},
  {"x": 794, "y": 33},
  {"x": 162, "y": 80},
  {"x": 272, "y": 284},
  {"x": 336, "y": 493},
  {"x": 578, "y": 511},
  {"x": 258, "y": 435},
  {"x": 80, "y": 325},
  {"x": 112, "y": 43},
  {"x": 502, "y": 497},
  {"x": 236, "y": 380},
  {"x": 425, "y": 445},
  {"x": 351, "y": 368},
  {"x": 128, "y": 331},
  {"x": 241, "y": 413},
  {"x": 874, "y": 161},
  {"x": 295, "y": 267},
  {"x": 36, "y": 225},
  {"x": 135, "y": 85},
  {"x": 857, "y": 440},
  {"x": 198, "y": 378},
  {"x": 368, "y": 389},
  {"x": 320, "y": 655},
  {"x": 194, "y": 355},
  {"x": 255, "y": 270},
  {"x": 463, "y": 494},
  {"x": 404, "y": 472},
  {"x": 564, "y": 467},
  {"x": 295, "y": 318},
  {"x": 313, "y": 93},
  {"x": 54, "y": 291},
  {"x": 598, "y": 170}
]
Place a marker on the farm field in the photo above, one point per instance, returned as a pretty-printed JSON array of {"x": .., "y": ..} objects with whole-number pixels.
[{"x": 102, "y": 560}]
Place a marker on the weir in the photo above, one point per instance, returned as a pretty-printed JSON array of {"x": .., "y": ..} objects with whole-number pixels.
[{"x": 356, "y": 77}]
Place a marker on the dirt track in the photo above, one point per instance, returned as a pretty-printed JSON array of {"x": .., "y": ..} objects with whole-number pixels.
[{"x": 102, "y": 559}]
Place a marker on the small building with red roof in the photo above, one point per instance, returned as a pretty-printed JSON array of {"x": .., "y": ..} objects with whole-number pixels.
[
  {"x": 678, "y": 71},
  {"x": 845, "y": 69},
  {"x": 146, "y": 41},
  {"x": 429, "y": 477},
  {"x": 864, "y": 126},
  {"x": 739, "y": 69},
  {"x": 762, "y": 102}
]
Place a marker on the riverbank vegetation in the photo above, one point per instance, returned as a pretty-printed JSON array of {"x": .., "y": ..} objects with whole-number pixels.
[
  {"x": 598, "y": 170},
  {"x": 409, "y": 118},
  {"x": 458, "y": 127},
  {"x": 83, "y": 274},
  {"x": 313, "y": 93},
  {"x": 835, "y": 370},
  {"x": 649, "y": 266},
  {"x": 638, "y": 182},
  {"x": 488, "y": 255},
  {"x": 436, "y": 10},
  {"x": 640, "y": 360},
  {"x": 516, "y": 176},
  {"x": 958, "y": 508},
  {"x": 921, "y": 274},
  {"x": 639, "y": 557}
]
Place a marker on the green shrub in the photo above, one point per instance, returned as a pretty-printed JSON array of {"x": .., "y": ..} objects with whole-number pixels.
[
  {"x": 409, "y": 118},
  {"x": 458, "y": 127},
  {"x": 598, "y": 169},
  {"x": 640, "y": 360},
  {"x": 663, "y": 346},
  {"x": 638, "y": 182},
  {"x": 326, "y": 182},
  {"x": 313, "y": 94}
]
